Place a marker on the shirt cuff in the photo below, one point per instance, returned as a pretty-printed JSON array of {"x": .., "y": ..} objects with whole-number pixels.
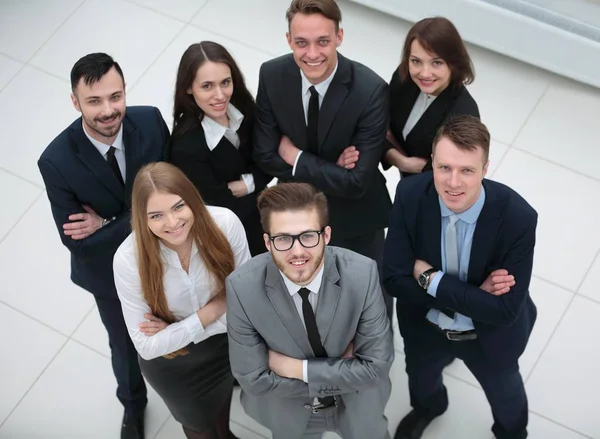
[
  {"x": 305, "y": 371},
  {"x": 433, "y": 285},
  {"x": 193, "y": 326},
  {"x": 248, "y": 180},
  {"x": 296, "y": 163}
]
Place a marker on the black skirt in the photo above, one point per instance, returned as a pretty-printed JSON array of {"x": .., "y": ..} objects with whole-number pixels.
[{"x": 195, "y": 386}]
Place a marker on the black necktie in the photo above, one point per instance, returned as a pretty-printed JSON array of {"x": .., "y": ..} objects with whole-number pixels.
[
  {"x": 313, "y": 121},
  {"x": 112, "y": 161},
  {"x": 313, "y": 334}
]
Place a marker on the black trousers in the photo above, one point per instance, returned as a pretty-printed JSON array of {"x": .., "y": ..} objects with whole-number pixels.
[
  {"x": 131, "y": 389},
  {"x": 371, "y": 246},
  {"x": 503, "y": 386}
]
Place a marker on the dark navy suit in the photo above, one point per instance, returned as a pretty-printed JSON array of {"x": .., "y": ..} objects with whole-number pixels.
[
  {"x": 75, "y": 173},
  {"x": 504, "y": 238}
]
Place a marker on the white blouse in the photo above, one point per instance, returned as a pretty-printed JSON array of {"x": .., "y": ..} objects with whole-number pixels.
[
  {"x": 419, "y": 108},
  {"x": 185, "y": 293}
]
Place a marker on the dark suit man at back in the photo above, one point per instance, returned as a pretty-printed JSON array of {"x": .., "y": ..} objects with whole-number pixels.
[
  {"x": 88, "y": 171},
  {"x": 322, "y": 119},
  {"x": 458, "y": 257}
]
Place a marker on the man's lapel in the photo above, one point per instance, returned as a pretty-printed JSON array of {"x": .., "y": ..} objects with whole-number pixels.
[
  {"x": 335, "y": 96},
  {"x": 329, "y": 295},
  {"x": 485, "y": 236},
  {"x": 132, "y": 144},
  {"x": 93, "y": 160},
  {"x": 286, "y": 309},
  {"x": 430, "y": 229},
  {"x": 292, "y": 95}
]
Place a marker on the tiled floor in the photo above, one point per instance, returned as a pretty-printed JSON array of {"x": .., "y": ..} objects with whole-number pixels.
[{"x": 55, "y": 375}]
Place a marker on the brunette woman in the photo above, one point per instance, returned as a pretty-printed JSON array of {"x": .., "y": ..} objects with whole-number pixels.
[
  {"x": 170, "y": 275},
  {"x": 427, "y": 88},
  {"x": 212, "y": 135}
]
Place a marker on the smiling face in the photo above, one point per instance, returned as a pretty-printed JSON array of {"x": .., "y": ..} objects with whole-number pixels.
[
  {"x": 212, "y": 89},
  {"x": 299, "y": 264},
  {"x": 314, "y": 42},
  {"x": 431, "y": 73},
  {"x": 102, "y": 106},
  {"x": 457, "y": 174},
  {"x": 170, "y": 219}
]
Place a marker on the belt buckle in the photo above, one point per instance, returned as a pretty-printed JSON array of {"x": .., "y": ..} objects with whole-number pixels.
[
  {"x": 467, "y": 337},
  {"x": 319, "y": 407}
]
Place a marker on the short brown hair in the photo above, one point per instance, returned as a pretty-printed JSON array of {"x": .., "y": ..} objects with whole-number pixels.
[
  {"x": 467, "y": 133},
  {"x": 438, "y": 35},
  {"x": 291, "y": 196},
  {"x": 328, "y": 8}
]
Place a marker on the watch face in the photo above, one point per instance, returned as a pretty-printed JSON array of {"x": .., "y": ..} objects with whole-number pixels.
[{"x": 422, "y": 280}]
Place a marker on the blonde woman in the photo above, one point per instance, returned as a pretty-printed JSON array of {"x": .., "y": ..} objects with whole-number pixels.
[{"x": 169, "y": 275}]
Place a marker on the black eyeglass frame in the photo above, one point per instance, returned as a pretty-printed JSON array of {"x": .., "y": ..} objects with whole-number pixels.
[{"x": 297, "y": 238}]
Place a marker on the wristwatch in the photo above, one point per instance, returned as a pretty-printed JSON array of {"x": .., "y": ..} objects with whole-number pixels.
[
  {"x": 425, "y": 277},
  {"x": 105, "y": 221}
]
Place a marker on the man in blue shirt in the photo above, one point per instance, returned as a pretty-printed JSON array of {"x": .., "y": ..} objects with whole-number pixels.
[{"x": 459, "y": 257}]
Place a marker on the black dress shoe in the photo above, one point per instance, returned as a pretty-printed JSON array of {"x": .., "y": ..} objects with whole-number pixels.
[
  {"x": 412, "y": 426},
  {"x": 132, "y": 428}
]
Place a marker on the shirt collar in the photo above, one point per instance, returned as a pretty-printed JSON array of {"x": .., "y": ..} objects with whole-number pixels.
[
  {"x": 471, "y": 214},
  {"x": 214, "y": 131},
  {"x": 313, "y": 286},
  {"x": 104, "y": 147},
  {"x": 321, "y": 87}
]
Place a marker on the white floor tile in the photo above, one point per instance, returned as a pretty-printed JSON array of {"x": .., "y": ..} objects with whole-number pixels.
[
  {"x": 497, "y": 152},
  {"x": 19, "y": 195},
  {"x": 563, "y": 128},
  {"x": 133, "y": 43},
  {"x": 541, "y": 428},
  {"x": 562, "y": 386},
  {"x": 157, "y": 87},
  {"x": 74, "y": 399},
  {"x": 506, "y": 92},
  {"x": 28, "y": 347},
  {"x": 268, "y": 33},
  {"x": 567, "y": 233},
  {"x": 26, "y": 25},
  {"x": 93, "y": 334},
  {"x": 51, "y": 114},
  {"x": 8, "y": 69},
  {"x": 35, "y": 272},
  {"x": 362, "y": 26},
  {"x": 183, "y": 10},
  {"x": 591, "y": 284}
]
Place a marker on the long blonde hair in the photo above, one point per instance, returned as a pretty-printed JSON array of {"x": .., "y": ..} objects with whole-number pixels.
[{"x": 212, "y": 244}]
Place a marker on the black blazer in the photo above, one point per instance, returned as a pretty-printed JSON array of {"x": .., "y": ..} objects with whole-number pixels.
[
  {"x": 504, "y": 238},
  {"x": 354, "y": 111},
  {"x": 210, "y": 171},
  {"x": 451, "y": 102},
  {"x": 75, "y": 173}
]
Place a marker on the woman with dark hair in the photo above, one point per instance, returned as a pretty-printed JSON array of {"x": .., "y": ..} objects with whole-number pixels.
[
  {"x": 212, "y": 135},
  {"x": 170, "y": 278},
  {"x": 426, "y": 89}
]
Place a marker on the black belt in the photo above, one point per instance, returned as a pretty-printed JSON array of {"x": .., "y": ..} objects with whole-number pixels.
[
  {"x": 456, "y": 335},
  {"x": 322, "y": 404}
]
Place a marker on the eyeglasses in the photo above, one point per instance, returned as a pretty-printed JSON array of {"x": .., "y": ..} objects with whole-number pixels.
[{"x": 308, "y": 239}]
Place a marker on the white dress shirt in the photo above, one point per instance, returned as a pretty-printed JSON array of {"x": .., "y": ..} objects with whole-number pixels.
[
  {"x": 185, "y": 293},
  {"x": 420, "y": 106},
  {"x": 214, "y": 132},
  {"x": 314, "y": 286},
  {"x": 119, "y": 149},
  {"x": 321, "y": 89}
]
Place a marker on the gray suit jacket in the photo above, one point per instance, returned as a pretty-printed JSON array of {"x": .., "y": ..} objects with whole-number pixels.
[{"x": 261, "y": 315}]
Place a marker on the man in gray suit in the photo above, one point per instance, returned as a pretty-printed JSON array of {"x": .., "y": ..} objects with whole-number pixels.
[{"x": 310, "y": 342}]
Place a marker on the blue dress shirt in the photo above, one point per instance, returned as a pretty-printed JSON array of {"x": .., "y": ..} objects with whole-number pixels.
[{"x": 465, "y": 228}]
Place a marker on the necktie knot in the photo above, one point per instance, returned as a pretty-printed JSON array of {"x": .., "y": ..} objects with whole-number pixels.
[
  {"x": 453, "y": 219},
  {"x": 304, "y": 292},
  {"x": 313, "y": 91}
]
